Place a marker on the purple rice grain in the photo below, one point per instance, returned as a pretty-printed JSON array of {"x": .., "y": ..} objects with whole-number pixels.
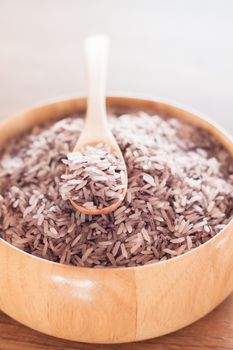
[{"x": 180, "y": 191}]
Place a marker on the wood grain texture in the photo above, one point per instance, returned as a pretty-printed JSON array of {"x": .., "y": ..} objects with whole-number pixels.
[
  {"x": 114, "y": 305},
  {"x": 213, "y": 332}
]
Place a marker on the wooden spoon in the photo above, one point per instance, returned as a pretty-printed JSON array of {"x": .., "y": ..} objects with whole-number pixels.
[{"x": 96, "y": 129}]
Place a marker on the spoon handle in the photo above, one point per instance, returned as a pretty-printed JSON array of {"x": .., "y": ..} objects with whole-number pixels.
[{"x": 96, "y": 50}]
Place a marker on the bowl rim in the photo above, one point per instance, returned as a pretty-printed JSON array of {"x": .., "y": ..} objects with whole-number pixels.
[{"x": 124, "y": 96}]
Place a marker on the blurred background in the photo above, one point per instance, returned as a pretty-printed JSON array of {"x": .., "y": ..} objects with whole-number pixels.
[{"x": 178, "y": 50}]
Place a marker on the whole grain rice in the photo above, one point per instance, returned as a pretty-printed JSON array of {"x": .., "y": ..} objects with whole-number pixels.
[
  {"x": 180, "y": 191},
  {"x": 95, "y": 177}
]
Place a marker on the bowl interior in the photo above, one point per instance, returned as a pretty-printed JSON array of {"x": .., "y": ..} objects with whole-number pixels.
[{"x": 118, "y": 105}]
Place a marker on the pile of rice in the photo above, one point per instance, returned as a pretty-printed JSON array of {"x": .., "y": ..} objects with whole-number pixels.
[
  {"x": 179, "y": 194},
  {"x": 95, "y": 177}
]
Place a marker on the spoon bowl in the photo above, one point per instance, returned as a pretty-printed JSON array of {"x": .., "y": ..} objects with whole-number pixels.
[{"x": 115, "y": 150}]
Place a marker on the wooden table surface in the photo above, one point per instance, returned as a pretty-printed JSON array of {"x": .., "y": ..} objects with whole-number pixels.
[{"x": 179, "y": 50}]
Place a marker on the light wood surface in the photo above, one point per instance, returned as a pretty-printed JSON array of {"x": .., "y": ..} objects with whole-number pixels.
[
  {"x": 114, "y": 305},
  {"x": 213, "y": 332},
  {"x": 175, "y": 49}
]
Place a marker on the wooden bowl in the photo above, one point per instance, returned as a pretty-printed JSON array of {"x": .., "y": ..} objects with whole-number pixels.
[{"x": 114, "y": 305}]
